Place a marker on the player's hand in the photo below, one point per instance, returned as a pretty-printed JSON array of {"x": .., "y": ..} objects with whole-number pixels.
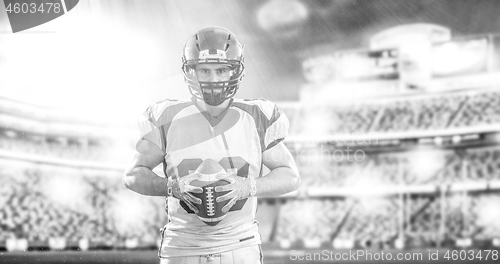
[
  {"x": 183, "y": 190},
  {"x": 238, "y": 187}
]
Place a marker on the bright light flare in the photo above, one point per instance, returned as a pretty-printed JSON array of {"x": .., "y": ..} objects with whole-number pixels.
[
  {"x": 426, "y": 163},
  {"x": 455, "y": 57},
  {"x": 489, "y": 212},
  {"x": 82, "y": 63},
  {"x": 369, "y": 183},
  {"x": 316, "y": 122},
  {"x": 374, "y": 206},
  {"x": 281, "y": 13},
  {"x": 129, "y": 211},
  {"x": 66, "y": 190}
]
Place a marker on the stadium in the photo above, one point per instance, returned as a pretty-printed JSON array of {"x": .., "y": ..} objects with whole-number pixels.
[{"x": 396, "y": 131}]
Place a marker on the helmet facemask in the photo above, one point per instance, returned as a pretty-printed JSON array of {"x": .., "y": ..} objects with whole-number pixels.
[{"x": 213, "y": 93}]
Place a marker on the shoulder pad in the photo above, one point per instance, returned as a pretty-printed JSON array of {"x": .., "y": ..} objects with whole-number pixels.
[
  {"x": 267, "y": 107},
  {"x": 159, "y": 107}
]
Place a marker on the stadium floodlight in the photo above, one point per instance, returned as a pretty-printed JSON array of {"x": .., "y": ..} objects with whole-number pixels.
[
  {"x": 285, "y": 243},
  {"x": 131, "y": 243},
  {"x": 83, "y": 244},
  {"x": 488, "y": 212},
  {"x": 22, "y": 244},
  {"x": 313, "y": 242},
  {"x": 496, "y": 242},
  {"x": 340, "y": 243},
  {"x": 463, "y": 242},
  {"x": 456, "y": 139},
  {"x": 438, "y": 141},
  {"x": 57, "y": 243},
  {"x": 399, "y": 243},
  {"x": 11, "y": 244}
]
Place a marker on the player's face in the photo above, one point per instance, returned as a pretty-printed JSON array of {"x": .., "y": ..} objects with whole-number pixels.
[{"x": 213, "y": 72}]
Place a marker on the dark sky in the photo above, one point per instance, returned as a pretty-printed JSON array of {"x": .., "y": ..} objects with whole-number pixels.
[
  {"x": 348, "y": 24},
  {"x": 274, "y": 57}
]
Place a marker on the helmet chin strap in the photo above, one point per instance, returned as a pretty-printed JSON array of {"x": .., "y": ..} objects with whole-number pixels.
[
  {"x": 212, "y": 102},
  {"x": 197, "y": 93}
]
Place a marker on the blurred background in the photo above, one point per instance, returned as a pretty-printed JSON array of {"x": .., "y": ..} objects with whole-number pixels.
[{"x": 394, "y": 109}]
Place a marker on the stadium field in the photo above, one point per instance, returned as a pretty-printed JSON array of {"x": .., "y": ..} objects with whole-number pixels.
[{"x": 271, "y": 256}]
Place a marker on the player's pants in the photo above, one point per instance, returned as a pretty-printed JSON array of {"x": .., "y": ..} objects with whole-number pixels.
[{"x": 246, "y": 255}]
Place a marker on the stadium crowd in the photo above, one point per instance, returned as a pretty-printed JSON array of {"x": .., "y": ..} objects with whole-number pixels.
[
  {"x": 381, "y": 198},
  {"x": 69, "y": 148},
  {"x": 34, "y": 207},
  {"x": 31, "y": 207},
  {"x": 460, "y": 109}
]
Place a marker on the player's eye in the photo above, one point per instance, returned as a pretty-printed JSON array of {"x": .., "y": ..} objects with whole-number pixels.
[{"x": 203, "y": 71}]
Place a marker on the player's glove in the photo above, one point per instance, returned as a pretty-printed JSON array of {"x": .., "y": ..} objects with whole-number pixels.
[
  {"x": 182, "y": 190},
  {"x": 239, "y": 188}
]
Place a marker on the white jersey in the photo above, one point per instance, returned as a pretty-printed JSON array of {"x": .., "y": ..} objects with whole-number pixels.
[{"x": 236, "y": 140}]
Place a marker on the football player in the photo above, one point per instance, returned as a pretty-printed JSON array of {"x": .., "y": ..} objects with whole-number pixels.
[{"x": 189, "y": 136}]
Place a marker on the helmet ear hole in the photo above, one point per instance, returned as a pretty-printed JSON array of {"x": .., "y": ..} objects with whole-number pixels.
[{"x": 189, "y": 70}]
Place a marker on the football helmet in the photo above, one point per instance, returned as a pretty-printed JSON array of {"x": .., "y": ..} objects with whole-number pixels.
[{"x": 213, "y": 45}]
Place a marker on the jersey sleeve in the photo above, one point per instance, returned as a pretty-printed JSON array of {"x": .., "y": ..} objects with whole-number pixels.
[
  {"x": 151, "y": 141},
  {"x": 277, "y": 128}
]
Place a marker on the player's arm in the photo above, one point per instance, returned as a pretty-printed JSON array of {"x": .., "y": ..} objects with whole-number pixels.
[
  {"x": 284, "y": 176},
  {"x": 139, "y": 176}
]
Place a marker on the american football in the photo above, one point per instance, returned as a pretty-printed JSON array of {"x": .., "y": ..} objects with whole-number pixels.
[{"x": 210, "y": 211}]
